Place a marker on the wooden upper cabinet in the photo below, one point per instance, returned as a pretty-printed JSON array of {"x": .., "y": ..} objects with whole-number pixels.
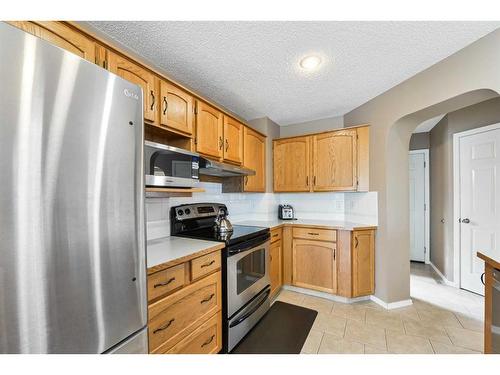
[
  {"x": 60, "y": 35},
  {"x": 209, "y": 124},
  {"x": 314, "y": 265},
  {"x": 363, "y": 145},
  {"x": 292, "y": 164},
  {"x": 233, "y": 140},
  {"x": 140, "y": 76},
  {"x": 334, "y": 164},
  {"x": 254, "y": 157},
  {"x": 176, "y": 108},
  {"x": 363, "y": 262}
]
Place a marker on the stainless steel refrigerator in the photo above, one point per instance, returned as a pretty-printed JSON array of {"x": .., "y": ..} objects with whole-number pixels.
[{"x": 72, "y": 241}]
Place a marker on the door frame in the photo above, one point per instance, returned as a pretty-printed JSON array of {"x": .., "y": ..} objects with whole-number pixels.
[
  {"x": 456, "y": 197},
  {"x": 427, "y": 213}
]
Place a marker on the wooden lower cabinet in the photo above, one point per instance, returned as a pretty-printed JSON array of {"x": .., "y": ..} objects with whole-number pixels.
[
  {"x": 314, "y": 265},
  {"x": 184, "y": 319},
  {"x": 207, "y": 339},
  {"x": 340, "y": 262},
  {"x": 275, "y": 261},
  {"x": 363, "y": 262}
]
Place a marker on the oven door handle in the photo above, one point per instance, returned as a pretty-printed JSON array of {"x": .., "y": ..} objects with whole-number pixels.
[{"x": 254, "y": 309}]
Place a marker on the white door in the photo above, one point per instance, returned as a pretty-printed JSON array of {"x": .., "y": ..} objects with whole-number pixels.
[
  {"x": 417, "y": 206},
  {"x": 479, "y": 168}
]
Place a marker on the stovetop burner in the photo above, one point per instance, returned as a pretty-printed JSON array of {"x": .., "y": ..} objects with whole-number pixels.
[{"x": 239, "y": 234}]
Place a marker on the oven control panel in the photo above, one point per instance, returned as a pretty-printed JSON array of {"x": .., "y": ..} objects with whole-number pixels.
[{"x": 196, "y": 211}]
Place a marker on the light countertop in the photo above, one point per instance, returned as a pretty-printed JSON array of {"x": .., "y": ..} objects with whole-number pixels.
[
  {"x": 168, "y": 251},
  {"x": 329, "y": 224}
]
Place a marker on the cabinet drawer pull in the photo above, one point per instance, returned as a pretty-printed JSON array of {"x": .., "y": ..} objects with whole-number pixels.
[
  {"x": 208, "y": 341},
  {"x": 307, "y": 180},
  {"x": 165, "y": 283},
  {"x": 166, "y": 104},
  {"x": 165, "y": 326},
  {"x": 154, "y": 100},
  {"x": 482, "y": 278},
  {"x": 227, "y": 145},
  {"x": 208, "y": 298},
  {"x": 334, "y": 254},
  {"x": 313, "y": 234},
  {"x": 221, "y": 143},
  {"x": 356, "y": 242},
  {"x": 207, "y": 264},
  {"x": 275, "y": 235}
]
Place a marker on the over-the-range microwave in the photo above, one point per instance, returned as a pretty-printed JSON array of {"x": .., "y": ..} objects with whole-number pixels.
[{"x": 168, "y": 166}]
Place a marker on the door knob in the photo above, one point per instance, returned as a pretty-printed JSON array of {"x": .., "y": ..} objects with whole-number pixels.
[{"x": 465, "y": 221}]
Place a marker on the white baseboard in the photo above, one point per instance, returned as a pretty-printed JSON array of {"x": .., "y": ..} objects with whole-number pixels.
[
  {"x": 329, "y": 296},
  {"x": 391, "y": 305},
  {"x": 445, "y": 280}
]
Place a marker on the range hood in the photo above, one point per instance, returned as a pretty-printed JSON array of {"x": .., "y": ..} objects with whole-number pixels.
[{"x": 215, "y": 168}]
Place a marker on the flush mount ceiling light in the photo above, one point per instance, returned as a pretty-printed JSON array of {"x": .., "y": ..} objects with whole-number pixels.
[{"x": 310, "y": 62}]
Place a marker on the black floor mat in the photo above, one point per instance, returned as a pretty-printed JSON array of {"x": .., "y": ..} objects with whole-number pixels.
[{"x": 283, "y": 330}]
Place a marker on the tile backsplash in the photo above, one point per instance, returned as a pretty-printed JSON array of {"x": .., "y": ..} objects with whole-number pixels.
[{"x": 358, "y": 207}]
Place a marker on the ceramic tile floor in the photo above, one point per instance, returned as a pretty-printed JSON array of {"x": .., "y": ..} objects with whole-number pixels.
[{"x": 442, "y": 320}]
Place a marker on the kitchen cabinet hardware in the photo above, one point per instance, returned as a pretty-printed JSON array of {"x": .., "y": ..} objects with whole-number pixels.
[
  {"x": 165, "y": 283},
  {"x": 208, "y": 298},
  {"x": 313, "y": 233},
  {"x": 207, "y": 264},
  {"x": 166, "y": 105},
  {"x": 227, "y": 145},
  {"x": 356, "y": 242},
  {"x": 208, "y": 341},
  {"x": 164, "y": 327},
  {"x": 153, "y": 100}
]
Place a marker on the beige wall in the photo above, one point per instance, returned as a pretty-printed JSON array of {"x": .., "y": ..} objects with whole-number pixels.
[
  {"x": 441, "y": 181},
  {"x": 310, "y": 127},
  {"x": 419, "y": 141},
  {"x": 469, "y": 76},
  {"x": 272, "y": 130}
]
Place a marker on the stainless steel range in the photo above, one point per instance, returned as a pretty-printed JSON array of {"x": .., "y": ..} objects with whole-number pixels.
[{"x": 245, "y": 271}]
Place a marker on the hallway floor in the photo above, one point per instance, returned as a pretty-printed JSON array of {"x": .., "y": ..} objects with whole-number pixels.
[{"x": 442, "y": 320}]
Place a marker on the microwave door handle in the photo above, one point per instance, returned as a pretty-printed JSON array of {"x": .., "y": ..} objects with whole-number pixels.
[{"x": 254, "y": 309}]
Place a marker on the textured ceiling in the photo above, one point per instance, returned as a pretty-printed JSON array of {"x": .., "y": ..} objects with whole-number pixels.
[{"x": 251, "y": 68}]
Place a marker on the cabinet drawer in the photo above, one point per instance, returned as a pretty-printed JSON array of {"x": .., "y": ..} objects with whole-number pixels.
[
  {"x": 207, "y": 339},
  {"x": 276, "y": 235},
  {"x": 177, "y": 315},
  {"x": 315, "y": 234},
  {"x": 166, "y": 281},
  {"x": 204, "y": 265}
]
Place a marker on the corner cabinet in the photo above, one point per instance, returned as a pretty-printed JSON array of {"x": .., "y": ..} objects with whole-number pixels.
[
  {"x": 140, "y": 76},
  {"x": 209, "y": 130},
  {"x": 254, "y": 157},
  {"x": 335, "y": 261},
  {"x": 330, "y": 161}
]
